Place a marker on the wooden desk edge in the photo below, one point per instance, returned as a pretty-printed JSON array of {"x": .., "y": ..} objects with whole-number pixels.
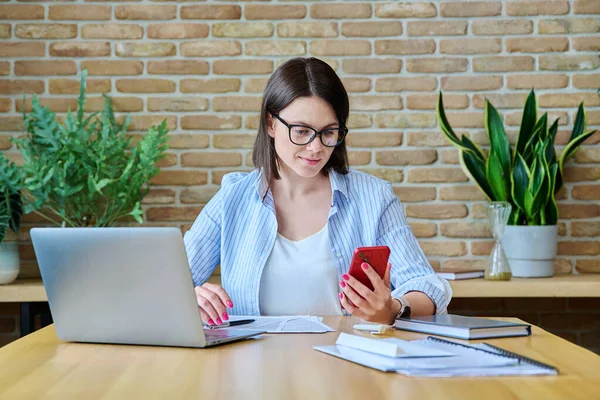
[{"x": 587, "y": 285}]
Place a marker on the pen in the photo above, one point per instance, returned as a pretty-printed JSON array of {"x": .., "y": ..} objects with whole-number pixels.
[{"x": 232, "y": 323}]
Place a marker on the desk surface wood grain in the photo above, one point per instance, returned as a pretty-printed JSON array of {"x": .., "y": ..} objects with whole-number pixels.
[{"x": 281, "y": 366}]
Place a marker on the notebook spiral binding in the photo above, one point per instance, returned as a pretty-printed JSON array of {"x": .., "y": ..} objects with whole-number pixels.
[
  {"x": 523, "y": 358},
  {"x": 498, "y": 352}
]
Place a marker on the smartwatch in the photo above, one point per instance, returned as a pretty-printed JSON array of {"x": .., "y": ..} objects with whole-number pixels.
[{"x": 404, "y": 311}]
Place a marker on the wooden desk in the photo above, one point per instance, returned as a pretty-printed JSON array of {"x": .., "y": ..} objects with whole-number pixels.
[
  {"x": 588, "y": 285},
  {"x": 272, "y": 367}
]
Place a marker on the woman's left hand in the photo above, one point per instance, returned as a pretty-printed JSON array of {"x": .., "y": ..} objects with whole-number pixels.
[{"x": 371, "y": 305}]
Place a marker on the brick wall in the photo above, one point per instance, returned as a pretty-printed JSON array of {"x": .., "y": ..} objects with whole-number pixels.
[{"x": 204, "y": 66}]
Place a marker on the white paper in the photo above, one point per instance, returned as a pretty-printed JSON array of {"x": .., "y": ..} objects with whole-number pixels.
[{"x": 283, "y": 324}]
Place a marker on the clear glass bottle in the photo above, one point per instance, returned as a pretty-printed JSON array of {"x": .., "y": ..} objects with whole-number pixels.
[{"x": 498, "y": 268}]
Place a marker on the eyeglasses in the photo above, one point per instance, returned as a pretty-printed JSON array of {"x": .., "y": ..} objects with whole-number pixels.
[{"x": 302, "y": 135}]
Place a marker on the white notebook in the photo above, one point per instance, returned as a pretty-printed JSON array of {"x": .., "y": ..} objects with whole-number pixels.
[{"x": 467, "y": 360}]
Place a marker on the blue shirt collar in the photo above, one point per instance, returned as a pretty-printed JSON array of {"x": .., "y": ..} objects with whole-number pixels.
[{"x": 337, "y": 180}]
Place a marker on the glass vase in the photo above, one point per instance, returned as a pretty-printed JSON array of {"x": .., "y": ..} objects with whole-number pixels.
[{"x": 498, "y": 268}]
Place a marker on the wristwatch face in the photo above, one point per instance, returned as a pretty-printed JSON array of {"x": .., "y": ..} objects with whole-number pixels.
[{"x": 405, "y": 312}]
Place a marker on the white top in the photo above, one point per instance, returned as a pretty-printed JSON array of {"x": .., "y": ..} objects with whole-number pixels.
[{"x": 300, "y": 278}]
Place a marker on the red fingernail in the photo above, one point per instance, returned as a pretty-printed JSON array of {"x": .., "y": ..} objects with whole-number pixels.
[
  {"x": 343, "y": 284},
  {"x": 225, "y": 317},
  {"x": 341, "y": 296},
  {"x": 211, "y": 322},
  {"x": 229, "y": 304},
  {"x": 346, "y": 277},
  {"x": 364, "y": 266},
  {"x": 219, "y": 321}
]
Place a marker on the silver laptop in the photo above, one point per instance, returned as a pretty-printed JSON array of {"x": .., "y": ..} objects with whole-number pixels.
[{"x": 123, "y": 285}]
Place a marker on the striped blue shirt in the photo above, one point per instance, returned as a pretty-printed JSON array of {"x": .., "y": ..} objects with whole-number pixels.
[{"x": 237, "y": 229}]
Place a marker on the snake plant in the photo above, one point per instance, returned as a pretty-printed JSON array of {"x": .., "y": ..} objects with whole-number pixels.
[{"x": 527, "y": 175}]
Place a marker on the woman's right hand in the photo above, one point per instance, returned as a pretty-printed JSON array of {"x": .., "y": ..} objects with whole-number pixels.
[{"x": 213, "y": 301}]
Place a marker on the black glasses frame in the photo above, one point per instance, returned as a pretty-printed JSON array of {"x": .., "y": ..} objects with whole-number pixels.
[{"x": 343, "y": 133}]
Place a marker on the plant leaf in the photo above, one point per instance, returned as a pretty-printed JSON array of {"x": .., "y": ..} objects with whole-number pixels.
[
  {"x": 475, "y": 169},
  {"x": 528, "y": 122},
  {"x": 496, "y": 177},
  {"x": 520, "y": 182},
  {"x": 500, "y": 153},
  {"x": 444, "y": 124}
]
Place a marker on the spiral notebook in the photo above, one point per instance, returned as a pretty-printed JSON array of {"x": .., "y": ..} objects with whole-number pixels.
[
  {"x": 520, "y": 364},
  {"x": 467, "y": 360}
]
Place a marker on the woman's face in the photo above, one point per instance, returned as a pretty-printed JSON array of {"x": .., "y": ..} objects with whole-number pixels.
[{"x": 308, "y": 160}]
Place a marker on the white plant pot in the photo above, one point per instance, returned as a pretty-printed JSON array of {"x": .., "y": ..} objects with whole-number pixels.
[
  {"x": 9, "y": 262},
  {"x": 531, "y": 250}
]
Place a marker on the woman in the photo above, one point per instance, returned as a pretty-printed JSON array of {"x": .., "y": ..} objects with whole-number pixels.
[{"x": 285, "y": 233}]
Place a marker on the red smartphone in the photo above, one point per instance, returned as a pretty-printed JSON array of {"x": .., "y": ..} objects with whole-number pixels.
[{"x": 376, "y": 256}]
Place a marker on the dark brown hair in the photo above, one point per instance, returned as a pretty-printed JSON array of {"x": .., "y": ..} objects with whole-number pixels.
[{"x": 300, "y": 77}]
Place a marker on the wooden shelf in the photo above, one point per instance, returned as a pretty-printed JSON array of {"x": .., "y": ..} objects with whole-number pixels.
[
  {"x": 558, "y": 286},
  {"x": 23, "y": 290},
  {"x": 587, "y": 285}
]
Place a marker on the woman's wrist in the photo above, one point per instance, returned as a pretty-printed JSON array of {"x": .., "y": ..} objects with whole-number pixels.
[{"x": 395, "y": 309}]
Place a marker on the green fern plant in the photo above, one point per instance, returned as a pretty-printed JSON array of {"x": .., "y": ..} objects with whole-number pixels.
[
  {"x": 11, "y": 205},
  {"x": 528, "y": 175},
  {"x": 85, "y": 172}
]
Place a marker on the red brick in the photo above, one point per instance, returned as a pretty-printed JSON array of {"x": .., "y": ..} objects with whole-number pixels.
[
  {"x": 586, "y": 7},
  {"x": 160, "y": 196},
  {"x": 146, "y": 12},
  {"x": 406, "y": 157},
  {"x": 178, "y": 31},
  {"x": 591, "y": 228},
  {"x": 436, "y": 28},
  {"x": 211, "y": 11},
  {"x": 443, "y": 248},
  {"x": 45, "y": 67},
  {"x": 21, "y": 11},
  {"x": 436, "y": 211},
  {"x": 211, "y": 122},
  {"x": 578, "y": 211},
  {"x": 21, "y": 86},
  {"x": 471, "y": 83},
  {"x": 178, "y": 67},
  {"x": 413, "y": 83},
  {"x": 217, "y": 85},
  {"x": 371, "y": 66},
  {"x": 388, "y": 174},
  {"x": 340, "y": 11},
  {"x": 79, "y": 12},
  {"x": 436, "y": 175},
  {"x": 22, "y": 49},
  {"x": 530, "y": 8},
  {"x": 405, "y": 10},
  {"x": 173, "y": 213},
  {"x": 414, "y": 194},
  {"x": 438, "y": 64},
  {"x": 375, "y": 139},
  {"x": 405, "y": 46},
  {"x": 537, "y": 81},
  {"x": 182, "y": 178},
  {"x": 276, "y": 12},
  {"x": 588, "y": 266},
  {"x": 470, "y": 9}
]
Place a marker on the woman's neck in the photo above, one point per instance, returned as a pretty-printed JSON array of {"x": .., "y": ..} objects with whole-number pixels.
[{"x": 292, "y": 186}]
